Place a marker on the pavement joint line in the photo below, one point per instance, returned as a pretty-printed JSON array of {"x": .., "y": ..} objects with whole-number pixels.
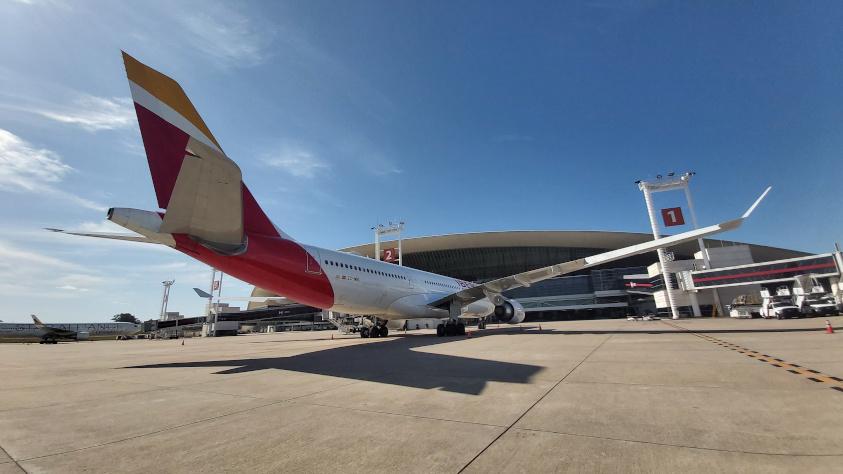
[
  {"x": 656, "y": 443},
  {"x": 183, "y": 425},
  {"x": 810, "y": 374},
  {"x": 11, "y": 459},
  {"x": 520, "y": 417},
  {"x": 406, "y": 415}
]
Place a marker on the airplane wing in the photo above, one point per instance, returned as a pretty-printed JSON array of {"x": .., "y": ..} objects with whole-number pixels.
[
  {"x": 534, "y": 276},
  {"x": 255, "y": 299},
  {"x": 106, "y": 235}
]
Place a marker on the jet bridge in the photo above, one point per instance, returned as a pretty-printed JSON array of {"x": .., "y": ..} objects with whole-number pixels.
[{"x": 819, "y": 266}]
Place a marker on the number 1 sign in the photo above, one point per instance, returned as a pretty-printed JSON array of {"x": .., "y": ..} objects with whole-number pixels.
[{"x": 672, "y": 216}]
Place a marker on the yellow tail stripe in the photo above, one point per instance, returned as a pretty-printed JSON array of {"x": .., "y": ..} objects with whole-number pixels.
[{"x": 167, "y": 91}]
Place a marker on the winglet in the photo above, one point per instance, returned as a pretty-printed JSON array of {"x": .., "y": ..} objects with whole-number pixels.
[
  {"x": 756, "y": 203},
  {"x": 202, "y": 294},
  {"x": 37, "y": 321}
]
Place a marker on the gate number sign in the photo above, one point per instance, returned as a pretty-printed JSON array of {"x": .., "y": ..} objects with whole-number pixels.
[
  {"x": 672, "y": 216},
  {"x": 390, "y": 255}
]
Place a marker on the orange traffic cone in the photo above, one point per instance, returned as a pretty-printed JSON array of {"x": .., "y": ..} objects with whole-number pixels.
[{"x": 828, "y": 328}]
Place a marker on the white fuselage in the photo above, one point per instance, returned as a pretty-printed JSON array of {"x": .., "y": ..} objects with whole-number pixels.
[
  {"x": 371, "y": 287},
  {"x": 12, "y": 330}
]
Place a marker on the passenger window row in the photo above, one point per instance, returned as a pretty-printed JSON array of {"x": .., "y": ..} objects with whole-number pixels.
[
  {"x": 364, "y": 269},
  {"x": 438, "y": 283}
]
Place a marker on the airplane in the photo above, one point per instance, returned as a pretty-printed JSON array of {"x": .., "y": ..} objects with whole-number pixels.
[
  {"x": 52, "y": 333},
  {"x": 208, "y": 213}
]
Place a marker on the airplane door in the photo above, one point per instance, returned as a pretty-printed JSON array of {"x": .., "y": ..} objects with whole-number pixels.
[{"x": 312, "y": 265}]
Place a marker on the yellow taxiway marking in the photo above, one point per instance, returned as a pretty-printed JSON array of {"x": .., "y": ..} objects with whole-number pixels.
[{"x": 835, "y": 383}]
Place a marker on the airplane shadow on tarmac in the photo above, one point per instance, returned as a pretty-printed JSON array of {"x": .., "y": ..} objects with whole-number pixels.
[{"x": 392, "y": 361}]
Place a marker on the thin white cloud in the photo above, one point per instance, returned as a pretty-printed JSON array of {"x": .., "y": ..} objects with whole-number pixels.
[
  {"x": 52, "y": 3},
  {"x": 226, "y": 36},
  {"x": 12, "y": 256},
  {"x": 297, "y": 162},
  {"x": 26, "y": 168},
  {"x": 93, "y": 113},
  {"x": 28, "y": 273},
  {"x": 79, "y": 282}
]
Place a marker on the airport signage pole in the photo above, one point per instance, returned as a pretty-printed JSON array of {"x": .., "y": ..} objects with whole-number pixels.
[
  {"x": 164, "y": 299},
  {"x": 669, "y": 184},
  {"x": 651, "y": 211},
  {"x": 381, "y": 230}
]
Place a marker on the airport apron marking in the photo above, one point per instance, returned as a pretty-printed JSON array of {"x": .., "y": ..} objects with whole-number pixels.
[{"x": 836, "y": 383}]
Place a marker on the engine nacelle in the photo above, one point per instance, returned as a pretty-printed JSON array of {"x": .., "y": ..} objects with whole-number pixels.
[
  {"x": 510, "y": 312},
  {"x": 83, "y": 336}
]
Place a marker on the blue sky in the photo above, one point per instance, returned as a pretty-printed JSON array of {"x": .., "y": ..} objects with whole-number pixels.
[{"x": 454, "y": 116}]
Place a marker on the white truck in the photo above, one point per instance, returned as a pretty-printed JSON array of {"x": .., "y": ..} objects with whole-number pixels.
[
  {"x": 779, "y": 305},
  {"x": 815, "y": 303}
]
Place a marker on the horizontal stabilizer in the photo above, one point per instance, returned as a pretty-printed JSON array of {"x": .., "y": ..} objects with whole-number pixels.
[
  {"x": 106, "y": 235},
  {"x": 253, "y": 299}
]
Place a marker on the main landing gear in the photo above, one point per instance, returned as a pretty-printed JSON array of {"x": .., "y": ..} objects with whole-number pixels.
[
  {"x": 374, "y": 331},
  {"x": 450, "y": 329}
]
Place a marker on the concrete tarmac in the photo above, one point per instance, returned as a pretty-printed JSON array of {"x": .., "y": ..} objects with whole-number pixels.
[{"x": 698, "y": 395}]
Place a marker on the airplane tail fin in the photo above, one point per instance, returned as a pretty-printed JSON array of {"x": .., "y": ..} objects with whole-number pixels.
[
  {"x": 199, "y": 186},
  {"x": 37, "y": 321}
]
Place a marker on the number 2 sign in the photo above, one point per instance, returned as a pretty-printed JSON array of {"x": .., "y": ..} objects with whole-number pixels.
[
  {"x": 672, "y": 216},
  {"x": 390, "y": 255}
]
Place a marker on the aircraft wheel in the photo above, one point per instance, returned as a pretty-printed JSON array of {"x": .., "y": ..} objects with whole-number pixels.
[
  {"x": 384, "y": 331},
  {"x": 460, "y": 329},
  {"x": 364, "y": 333},
  {"x": 440, "y": 330}
]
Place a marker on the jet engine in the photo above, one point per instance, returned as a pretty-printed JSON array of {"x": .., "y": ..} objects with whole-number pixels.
[
  {"x": 83, "y": 336},
  {"x": 510, "y": 312}
]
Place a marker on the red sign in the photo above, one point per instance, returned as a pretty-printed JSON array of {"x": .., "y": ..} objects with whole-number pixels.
[
  {"x": 390, "y": 255},
  {"x": 672, "y": 216}
]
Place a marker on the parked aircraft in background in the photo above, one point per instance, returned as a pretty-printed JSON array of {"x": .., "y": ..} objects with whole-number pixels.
[
  {"x": 209, "y": 214},
  {"x": 52, "y": 333}
]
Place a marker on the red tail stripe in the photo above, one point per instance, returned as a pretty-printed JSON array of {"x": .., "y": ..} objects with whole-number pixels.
[
  {"x": 165, "y": 148},
  {"x": 255, "y": 220}
]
